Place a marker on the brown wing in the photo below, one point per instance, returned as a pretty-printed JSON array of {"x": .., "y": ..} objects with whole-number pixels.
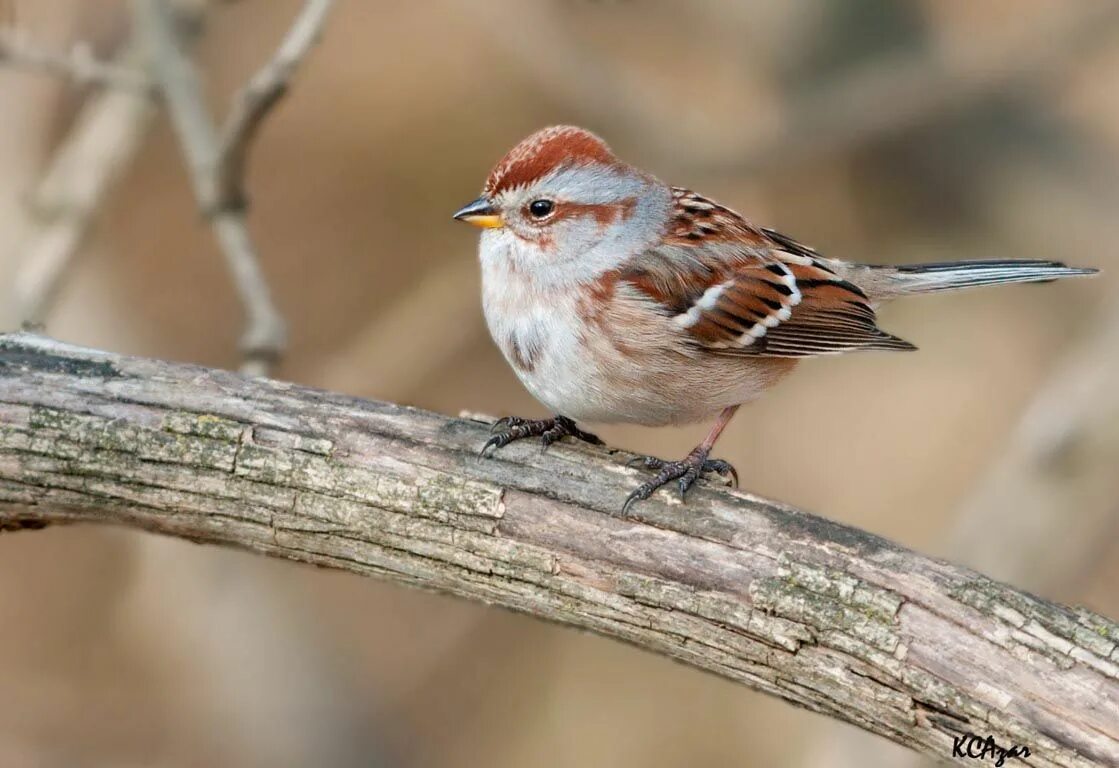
[{"x": 735, "y": 289}]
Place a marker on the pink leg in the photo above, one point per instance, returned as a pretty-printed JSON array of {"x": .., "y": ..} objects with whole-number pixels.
[
  {"x": 720, "y": 424},
  {"x": 689, "y": 469}
]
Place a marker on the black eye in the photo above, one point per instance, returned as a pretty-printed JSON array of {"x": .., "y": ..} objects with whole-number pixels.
[{"x": 541, "y": 208}]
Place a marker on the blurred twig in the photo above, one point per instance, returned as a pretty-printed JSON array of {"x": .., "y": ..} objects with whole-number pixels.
[
  {"x": 111, "y": 130},
  {"x": 256, "y": 99},
  {"x": 78, "y": 64},
  {"x": 217, "y": 168},
  {"x": 826, "y": 616},
  {"x": 264, "y": 337},
  {"x": 105, "y": 137},
  {"x": 108, "y": 132}
]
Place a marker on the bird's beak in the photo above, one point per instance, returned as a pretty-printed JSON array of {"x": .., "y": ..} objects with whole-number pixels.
[{"x": 480, "y": 213}]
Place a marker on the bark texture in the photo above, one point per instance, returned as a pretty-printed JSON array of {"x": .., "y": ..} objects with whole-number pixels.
[{"x": 827, "y": 617}]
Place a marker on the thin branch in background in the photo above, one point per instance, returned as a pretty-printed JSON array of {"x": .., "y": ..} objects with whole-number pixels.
[
  {"x": 264, "y": 337},
  {"x": 105, "y": 137},
  {"x": 258, "y": 97},
  {"x": 252, "y": 610},
  {"x": 214, "y": 171},
  {"x": 78, "y": 64}
]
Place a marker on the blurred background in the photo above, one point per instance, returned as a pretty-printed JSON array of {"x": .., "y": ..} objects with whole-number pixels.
[{"x": 876, "y": 130}]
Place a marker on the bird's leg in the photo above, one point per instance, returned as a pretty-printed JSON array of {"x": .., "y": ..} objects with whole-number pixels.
[
  {"x": 687, "y": 470},
  {"x": 512, "y": 428}
]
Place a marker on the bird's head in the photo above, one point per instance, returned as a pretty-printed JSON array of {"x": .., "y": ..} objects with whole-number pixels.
[{"x": 561, "y": 198}]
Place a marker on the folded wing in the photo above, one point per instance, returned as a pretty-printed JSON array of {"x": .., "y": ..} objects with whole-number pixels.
[{"x": 735, "y": 289}]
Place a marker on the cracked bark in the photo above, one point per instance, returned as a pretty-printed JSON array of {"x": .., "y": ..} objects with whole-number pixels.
[{"x": 827, "y": 617}]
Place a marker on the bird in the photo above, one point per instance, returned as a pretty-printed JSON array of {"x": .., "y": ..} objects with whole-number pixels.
[{"x": 618, "y": 298}]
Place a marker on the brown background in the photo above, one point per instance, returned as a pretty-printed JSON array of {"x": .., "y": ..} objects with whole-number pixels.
[{"x": 119, "y": 649}]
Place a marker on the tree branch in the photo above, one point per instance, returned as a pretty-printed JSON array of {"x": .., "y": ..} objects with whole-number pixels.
[
  {"x": 828, "y": 617},
  {"x": 78, "y": 64},
  {"x": 257, "y": 98},
  {"x": 265, "y": 332},
  {"x": 106, "y": 135}
]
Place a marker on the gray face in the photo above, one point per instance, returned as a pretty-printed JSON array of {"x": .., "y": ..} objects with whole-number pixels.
[{"x": 578, "y": 221}]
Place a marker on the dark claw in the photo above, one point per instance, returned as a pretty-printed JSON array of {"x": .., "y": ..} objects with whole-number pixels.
[
  {"x": 721, "y": 467},
  {"x": 511, "y": 428},
  {"x": 569, "y": 428},
  {"x": 495, "y": 442},
  {"x": 685, "y": 482},
  {"x": 551, "y": 435},
  {"x": 505, "y": 422},
  {"x": 640, "y": 493},
  {"x": 685, "y": 472}
]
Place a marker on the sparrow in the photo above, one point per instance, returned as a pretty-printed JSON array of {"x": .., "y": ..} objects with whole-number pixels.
[{"x": 618, "y": 298}]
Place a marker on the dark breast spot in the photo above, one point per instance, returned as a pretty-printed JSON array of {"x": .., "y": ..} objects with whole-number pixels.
[{"x": 523, "y": 350}]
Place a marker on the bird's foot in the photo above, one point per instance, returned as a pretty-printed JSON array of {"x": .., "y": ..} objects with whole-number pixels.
[
  {"x": 685, "y": 472},
  {"x": 512, "y": 428}
]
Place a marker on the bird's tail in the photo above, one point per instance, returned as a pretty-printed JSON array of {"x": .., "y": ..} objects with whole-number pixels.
[{"x": 953, "y": 275}]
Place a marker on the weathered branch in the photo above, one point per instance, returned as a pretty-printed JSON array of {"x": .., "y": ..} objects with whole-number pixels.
[{"x": 825, "y": 616}]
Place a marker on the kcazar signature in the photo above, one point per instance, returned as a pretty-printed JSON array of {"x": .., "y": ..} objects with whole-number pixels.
[{"x": 980, "y": 748}]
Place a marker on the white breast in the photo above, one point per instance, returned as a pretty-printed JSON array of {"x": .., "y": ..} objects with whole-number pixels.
[
  {"x": 627, "y": 364},
  {"x": 536, "y": 332}
]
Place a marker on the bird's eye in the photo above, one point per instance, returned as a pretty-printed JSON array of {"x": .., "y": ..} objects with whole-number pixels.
[{"x": 541, "y": 208}]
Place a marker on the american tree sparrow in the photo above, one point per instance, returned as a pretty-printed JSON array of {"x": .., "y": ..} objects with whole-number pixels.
[{"x": 618, "y": 298}]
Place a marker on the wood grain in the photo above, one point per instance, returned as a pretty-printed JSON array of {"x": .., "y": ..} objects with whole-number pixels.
[{"x": 825, "y": 616}]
